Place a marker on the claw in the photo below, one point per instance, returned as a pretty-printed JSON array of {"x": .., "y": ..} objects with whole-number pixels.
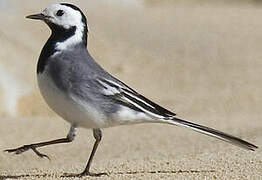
[
  {"x": 83, "y": 174},
  {"x": 19, "y": 150},
  {"x": 26, "y": 148},
  {"x": 40, "y": 154}
]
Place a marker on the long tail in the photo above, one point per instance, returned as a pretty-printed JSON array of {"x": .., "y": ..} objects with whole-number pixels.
[{"x": 214, "y": 133}]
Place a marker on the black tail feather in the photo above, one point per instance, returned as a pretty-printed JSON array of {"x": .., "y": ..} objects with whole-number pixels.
[{"x": 214, "y": 133}]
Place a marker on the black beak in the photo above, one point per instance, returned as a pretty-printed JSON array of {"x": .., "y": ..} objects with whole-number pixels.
[{"x": 37, "y": 16}]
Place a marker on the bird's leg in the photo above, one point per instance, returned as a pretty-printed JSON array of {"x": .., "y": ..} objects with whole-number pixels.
[
  {"x": 69, "y": 138},
  {"x": 98, "y": 136}
]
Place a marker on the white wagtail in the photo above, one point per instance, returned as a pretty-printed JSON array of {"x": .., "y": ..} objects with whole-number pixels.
[{"x": 84, "y": 94}]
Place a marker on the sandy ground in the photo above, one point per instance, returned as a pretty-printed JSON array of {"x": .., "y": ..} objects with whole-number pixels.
[
  {"x": 132, "y": 152},
  {"x": 206, "y": 58}
]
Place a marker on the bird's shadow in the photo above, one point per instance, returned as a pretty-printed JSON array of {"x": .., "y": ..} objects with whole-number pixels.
[{"x": 70, "y": 175}]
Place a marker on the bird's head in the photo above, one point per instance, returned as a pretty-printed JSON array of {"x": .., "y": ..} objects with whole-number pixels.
[{"x": 65, "y": 20}]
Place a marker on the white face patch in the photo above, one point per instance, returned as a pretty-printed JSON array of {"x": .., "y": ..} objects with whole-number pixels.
[{"x": 69, "y": 18}]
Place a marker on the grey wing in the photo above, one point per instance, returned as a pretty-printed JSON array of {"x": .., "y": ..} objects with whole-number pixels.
[
  {"x": 126, "y": 96},
  {"x": 80, "y": 75},
  {"x": 109, "y": 96}
]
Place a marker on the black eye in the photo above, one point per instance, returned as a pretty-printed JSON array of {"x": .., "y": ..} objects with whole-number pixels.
[{"x": 60, "y": 12}]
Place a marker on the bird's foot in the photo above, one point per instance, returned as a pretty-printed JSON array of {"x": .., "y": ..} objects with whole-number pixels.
[
  {"x": 83, "y": 174},
  {"x": 25, "y": 148}
]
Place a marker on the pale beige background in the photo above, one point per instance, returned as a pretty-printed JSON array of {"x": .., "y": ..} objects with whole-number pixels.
[{"x": 201, "y": 59}]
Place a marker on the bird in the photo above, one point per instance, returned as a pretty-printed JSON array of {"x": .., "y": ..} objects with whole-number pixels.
[{"x": 84, "y": 94}]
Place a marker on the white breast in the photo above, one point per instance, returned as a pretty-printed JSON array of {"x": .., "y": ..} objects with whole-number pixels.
[{"x": 69, "y": 107}]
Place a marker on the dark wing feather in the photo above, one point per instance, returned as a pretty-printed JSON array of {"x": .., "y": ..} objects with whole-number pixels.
[{"x": 134, "y": 100}]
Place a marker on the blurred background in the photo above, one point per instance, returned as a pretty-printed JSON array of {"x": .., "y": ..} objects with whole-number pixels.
[{"x": 197, "y": 58}]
